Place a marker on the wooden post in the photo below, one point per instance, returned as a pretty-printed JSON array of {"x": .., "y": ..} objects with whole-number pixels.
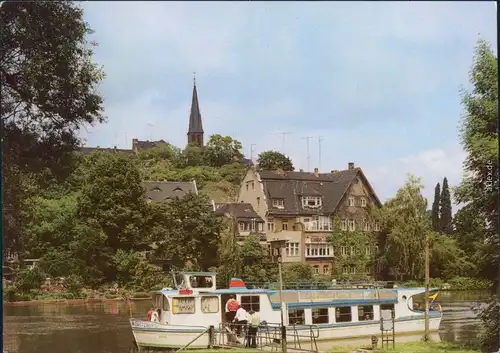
[{"x": 426, "y": 301}]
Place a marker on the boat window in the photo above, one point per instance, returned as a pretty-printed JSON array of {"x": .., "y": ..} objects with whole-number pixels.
[
  {"x": 343, "y": 314},
  {"x": 250, "y": 302},
  {"x": 365, "y": 312},
  {"x": 387, "y": 307},
  {"x": 296, "y": 317},
  {"x": 165, "y": 306},
  {"x": 200, "y": 281},
  {"x": 320, "y": 316},
  {"x": 210, "y": 304},
  {"x": 183, "y": 305},
  {"x": 158, "y": 299}
]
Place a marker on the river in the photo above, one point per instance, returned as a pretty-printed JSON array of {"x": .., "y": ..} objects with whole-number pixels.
[{"x": 103, "y": 327}]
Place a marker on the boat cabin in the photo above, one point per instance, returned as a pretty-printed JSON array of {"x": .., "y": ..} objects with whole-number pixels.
[{"x": 198, "y": 300}]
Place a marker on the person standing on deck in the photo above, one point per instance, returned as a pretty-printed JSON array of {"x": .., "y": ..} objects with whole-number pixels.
[
  {"x": 231, "y": 308},
  {"x": 241, "y": 319},
  {"x": 252, "y": 329},
  {"x": 150, "y": 313}
]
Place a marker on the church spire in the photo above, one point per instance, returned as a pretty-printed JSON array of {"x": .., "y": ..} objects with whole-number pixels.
[{"x": 195, "y": 132}]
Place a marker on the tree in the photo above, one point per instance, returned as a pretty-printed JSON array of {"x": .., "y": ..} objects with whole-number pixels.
[
  {"x": 187, "y": 231},
  {"x": 222, "y": 150},
  {"x": 273, "y": 160},
  {"x": 405, "y": 222},
  {"x": 230, "y": 257},
  {"x": 445, "y": 219},
  {"x": 435, "y": 209},
  {"x": 47, "y": 82},
  {"x": 479, "y": 188}
]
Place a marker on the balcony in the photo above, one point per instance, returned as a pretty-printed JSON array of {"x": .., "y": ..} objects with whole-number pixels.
[{"x": 318, "y": 226}]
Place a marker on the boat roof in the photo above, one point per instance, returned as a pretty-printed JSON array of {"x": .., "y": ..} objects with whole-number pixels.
[{"x": 195, "y": 273}]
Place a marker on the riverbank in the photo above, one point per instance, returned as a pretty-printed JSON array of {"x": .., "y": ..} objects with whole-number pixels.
[
  {"x": 411, "y": 347},
  {"x": 70, "y": 301}
]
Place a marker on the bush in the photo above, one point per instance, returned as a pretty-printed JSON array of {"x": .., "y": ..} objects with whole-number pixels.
[
  {"x": 490, "y": 316},
  {"x": 141, "y": 295},
  {"x": 467, "y": 283},
  {"x": 9, "y": 294},
  {"x": 28, "y": 279},
  {"x": 73, "y": 284}
]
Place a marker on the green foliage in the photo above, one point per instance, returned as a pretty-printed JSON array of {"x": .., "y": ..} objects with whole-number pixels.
[
  {"x": 147, "y": 275},
  {"x": 435, "y": 208},
  {"x": 222, "y": 150},
  {"x": 273, "y": 160},
  {"x": 125, "y": 263},
  {"x": 28, "y": 279},
  {"x": 230, "y": 256},
  {"x": 490, "y": 316},
  {"x": 353, "y": 250},
  {"x": 445, "y": 217},
  {"x": 447, "y": 260},
  {"x": 297, "y": 272},
  {"x": 47, "y": 92},
  {"x": 73, "y": 284}
]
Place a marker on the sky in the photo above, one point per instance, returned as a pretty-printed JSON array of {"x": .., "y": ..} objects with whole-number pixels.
[{"x": 378, "y": 81}]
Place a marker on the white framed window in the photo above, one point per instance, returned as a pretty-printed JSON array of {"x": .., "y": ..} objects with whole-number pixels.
[
  {"x": 261, "y": 227},
  {"x": 343, "y": 224},
  {"x": 377, "y": 227},
  {"x": 352, "y": 252},
  {"x": 252, "y": 225},
  {"x": 241, "y": 226},
  {"x": 311, "y": 201},
  {"x": 363, "y": 202},
  {"x": 367, "y": 250},
  {"x": 345, "y": 270},
  {"x": 284, "y": 226},
  {"x": 210, "y": 304},
  {"x": 292, "y": 249},
  {"x": 278, "y": 203},
  {"x": 316, "y": 269},
  {"x": 270, "y": 225},
  {"x": 343, "y": 250},
  {"x": 318, "y": 250},
  {"x": 352, "y": 270},
  {"x": 352, "y": 225},
  {"x": 366, "y": 225},
  {"x": 351, "y": 201},
  {"x": 326, "y": 270}
]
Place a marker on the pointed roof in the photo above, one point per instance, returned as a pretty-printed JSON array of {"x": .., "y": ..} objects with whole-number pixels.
[{"x": 195, "y": 124}]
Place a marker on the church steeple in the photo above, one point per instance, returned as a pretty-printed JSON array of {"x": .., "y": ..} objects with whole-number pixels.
[{"x": 195, "y": 132}]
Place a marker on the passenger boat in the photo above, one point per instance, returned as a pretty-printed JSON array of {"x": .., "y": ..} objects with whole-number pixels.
[{"x": 188, "y": 312}]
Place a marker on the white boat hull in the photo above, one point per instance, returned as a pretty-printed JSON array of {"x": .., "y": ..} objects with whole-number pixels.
[{"x": 150, "y": 334}]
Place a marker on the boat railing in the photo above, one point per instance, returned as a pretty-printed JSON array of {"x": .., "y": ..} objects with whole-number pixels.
[
  {"x": 268, "y": 335},
  {"x": 321, "y": 285}
]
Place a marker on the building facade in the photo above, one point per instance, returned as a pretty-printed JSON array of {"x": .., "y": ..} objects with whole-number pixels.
[{"x": 300, "y": 207}]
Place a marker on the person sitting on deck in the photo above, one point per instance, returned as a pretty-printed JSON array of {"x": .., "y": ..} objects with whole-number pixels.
[{"x": 241, "y": 319}]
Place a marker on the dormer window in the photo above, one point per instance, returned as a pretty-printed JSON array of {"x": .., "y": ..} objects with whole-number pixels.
[
  {"x": 351, "y": 201},
  {"x": 278, "y": 203},
  {"x": 363, "y": 202},
  {"x": 311, "y": 201}
]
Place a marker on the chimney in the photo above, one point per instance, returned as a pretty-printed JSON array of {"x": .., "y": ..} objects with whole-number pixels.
[
  {"x": 316, "y": 172},
  {"x": 350, "y": 166}
]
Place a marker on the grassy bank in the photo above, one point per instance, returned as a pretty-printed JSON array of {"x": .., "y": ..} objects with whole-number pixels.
[{"x": 414, "y": 347}]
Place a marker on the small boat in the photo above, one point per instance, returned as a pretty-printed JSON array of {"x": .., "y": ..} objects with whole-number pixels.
[{"x": 191, "y": 313}]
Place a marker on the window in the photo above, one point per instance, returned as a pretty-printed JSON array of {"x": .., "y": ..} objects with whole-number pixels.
[
  {"x": 386, "y": 307},
  {"x": 320, "y": 316},
  {"x": 210, "y": 304},
  {"x": 343, "y": 250},
  {"x": 326, "y": 270},
  {"x": 296, "y": 317},
  {"x": 363, "y": 202},
  {"x": 311, "y": 201},
  {"x": 270, "y": 226},
  {"x": 367, "y": 250},
  {"x": 250, "y": 302},
  {"x": 319, "y": 250},
  {"x": 252, "y": 225},
  {"x": 292, "y": 249},
  {"x": 278, "y": 203},
  {"x": 345, "y": 270},
  {"x": 351, "y": 201},
  {"x": 316, "y": 269},
  {"x": 165, "y": 306},
  {"x": 242, "y": 226},
  {"x": 351, "y": 251},
  {"x": 352, "y": 225},
  {"x": 368, "y": 270},
  {"x": 261, "y": 227},
  {"x": 365, "y": 312},
  {"x": 247, "y": 186},
  {"x": 284, "y": 226},
  {"x": 352, "y": 270},
  {"x": 343, "y": 225},
  {"x": 367, "y": 225},
  {"x": 183, "y": 305},
  {"x": 253, "y": 185},
  {"x": 158, "y": 300},
  {"x": 343, "y": 314},
  {"x": 258, "y": 201},
  {"x": 377, "y": 227}
]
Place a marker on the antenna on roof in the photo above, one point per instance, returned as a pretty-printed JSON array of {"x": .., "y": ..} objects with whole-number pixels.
[
  {"x": 308, "y": 154},
  {"x": 320, "y": 139},
  {"x": 283, "y": 136}
]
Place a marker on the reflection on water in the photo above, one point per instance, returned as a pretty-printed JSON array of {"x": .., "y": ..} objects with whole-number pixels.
[{"x": 104, "y": 327}]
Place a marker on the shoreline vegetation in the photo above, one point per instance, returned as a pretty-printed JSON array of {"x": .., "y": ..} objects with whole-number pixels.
[{"x": 456, "y": 284}]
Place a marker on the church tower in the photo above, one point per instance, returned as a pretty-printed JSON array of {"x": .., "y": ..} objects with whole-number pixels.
[{"x": 195, "y": 132}]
